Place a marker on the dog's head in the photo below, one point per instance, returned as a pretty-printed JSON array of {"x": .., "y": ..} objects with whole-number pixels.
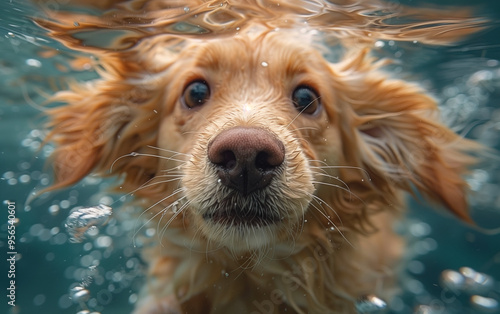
[
  {"x": 258, "y": 137},
  {"x": 255, "y": 138}
]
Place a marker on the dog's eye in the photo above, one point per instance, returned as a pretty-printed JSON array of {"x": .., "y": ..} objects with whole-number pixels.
[
  {"x": 305, "y": 99},
  {"x": 196, "y": 94}
]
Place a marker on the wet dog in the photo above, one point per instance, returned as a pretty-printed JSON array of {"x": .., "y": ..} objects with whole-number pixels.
[{"x": 274, "y": 175}]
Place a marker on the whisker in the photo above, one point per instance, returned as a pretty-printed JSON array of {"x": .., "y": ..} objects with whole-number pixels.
[
  {"x": 341, "y": 167},
  {"x": 168, "y": 151},
  {"x": 306, "y": 128},
  {"x": 320, "y": 202},
  {"x": 334, "y": 178},
  {"x": 340, "y": 187},
  {"x": 157, "y": 156},
  {"x": 154, "y": 216},
  {"x": 298, "y": 114},
  {"x": 135, "y": 154},
  {"x": 155, "y": 183},
  {"x": 161, "y": 232}
]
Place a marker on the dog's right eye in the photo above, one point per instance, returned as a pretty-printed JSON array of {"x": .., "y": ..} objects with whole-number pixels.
[
  {"x": 196, "y": 94},
  {"x": 305, "y": 99}
]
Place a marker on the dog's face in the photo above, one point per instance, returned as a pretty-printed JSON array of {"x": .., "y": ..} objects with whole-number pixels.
[
  {"x": 254, "y": 126},
  {"x": 264, "y": 137}
]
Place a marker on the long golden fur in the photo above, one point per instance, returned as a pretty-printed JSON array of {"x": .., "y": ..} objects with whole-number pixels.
[{"x": 333, "y": 198}]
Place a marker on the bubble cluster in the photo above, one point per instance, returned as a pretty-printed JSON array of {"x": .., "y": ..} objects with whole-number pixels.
[
  {"x": 84, "y": 219},
  {"x": 479, "y": 286}
]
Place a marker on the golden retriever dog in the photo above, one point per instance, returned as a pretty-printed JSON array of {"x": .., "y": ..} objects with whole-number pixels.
[{"x": 273, "y": 174}]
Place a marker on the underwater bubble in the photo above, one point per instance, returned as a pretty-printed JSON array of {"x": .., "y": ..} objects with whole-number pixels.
[
  {"x": 414, "y": 286},
  {"x": 86, "y": 260},
  {"x": 49, "y": 257},
  {"x": 426, "y": 309},
  {"x": 416, "y": 267},
  {"x": 64, "y": 301},
  {"x": 8, "y": 175},
  {"x": 150, "y": 232},
  {"x": 54, "y": 209},
  {"x": 26, "y": 142},
  {"x": 79, "y": 294},
  {"x": 452, "y": 280},
  {"x": 39, "y": 299},
  {"x": 132, "y": 299},
  {"x": 24, "y": 178},
  {"x": 113, "y": 230},
  {"x": 484, "y": 304},
  {"x": 88, "y": 246},
  {"x": 36, "y": 229},
  {"x": 104, "y": 297},
  {"x": 106, "y": 200},
  {"x": 93, "y": 231},
  {"x": 64, "y": 204},
  {"x": 476, "y": 282},
  {"x": 370, "y": 303},
  {"x": 103, "y": 241},
  {"x": 97, "y": 255},
  {"x": 420, "y": 229},
  {"x": 92, "y": 303},
  {"x": 33, "y": 63},
  {"x": 86, "y": 220},
  {"x": 117, "y": 276},
  {"x": 492, "y": 63}
]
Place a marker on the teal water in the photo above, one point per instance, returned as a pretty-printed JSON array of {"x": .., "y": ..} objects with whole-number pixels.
[{"x": 465, "y": 77}]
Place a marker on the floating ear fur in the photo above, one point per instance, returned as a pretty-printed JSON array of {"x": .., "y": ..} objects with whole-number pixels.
[
  {"x": 400, "y": 138},
  {"x": 101, "y": 124}
]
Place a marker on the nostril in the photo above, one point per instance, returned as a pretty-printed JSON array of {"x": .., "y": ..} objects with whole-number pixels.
[
  {"x": 263, "y": 161},
  {"x": 226, "y": 160}
]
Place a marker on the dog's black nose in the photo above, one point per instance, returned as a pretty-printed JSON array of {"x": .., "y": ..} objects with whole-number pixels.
[{"x": 246, "y": 158}]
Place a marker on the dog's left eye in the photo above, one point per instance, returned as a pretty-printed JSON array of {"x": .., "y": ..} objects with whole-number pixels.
[
  {"x": 305, "y": 99},
  {"x": 196, "y": 94}
]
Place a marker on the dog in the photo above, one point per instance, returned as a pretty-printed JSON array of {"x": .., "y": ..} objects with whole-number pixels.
[{"x": 274, "y": 175}]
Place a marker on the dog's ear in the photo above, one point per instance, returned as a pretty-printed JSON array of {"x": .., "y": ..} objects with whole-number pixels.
[
  {"x": 401, "y": 141},
  {"x": 101, "y": 123}
]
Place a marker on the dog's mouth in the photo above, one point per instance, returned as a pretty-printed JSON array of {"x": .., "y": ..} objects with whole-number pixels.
[{"x": 242, "y": 217}]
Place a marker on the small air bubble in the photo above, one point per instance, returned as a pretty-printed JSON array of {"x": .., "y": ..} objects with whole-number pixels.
[
  {"x": 8, "y": 175},
  {"x": 76, "y": 24},
  {"x": 33, "y": 63},
  {"x": 264, "y": 64},
  {"x": 186, "y": 9},
  {"x": 25, "y": 178}
]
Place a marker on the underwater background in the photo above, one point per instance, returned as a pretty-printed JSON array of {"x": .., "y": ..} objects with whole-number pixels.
[{"x": 450, "y": 267}]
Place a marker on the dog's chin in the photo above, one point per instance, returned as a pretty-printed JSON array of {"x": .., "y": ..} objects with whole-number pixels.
[
  {"x": 242, "y": 229},
  {"x": 242, "y": 218}
]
